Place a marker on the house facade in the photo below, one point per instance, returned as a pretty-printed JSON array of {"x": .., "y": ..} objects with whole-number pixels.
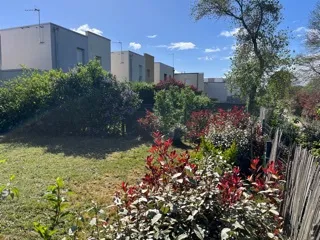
[
  {"x": 149, "y": 68},
  {"x": 128, "y": 66},
  {"x": 216, "y": 88},
  {"x": 194, "y": 79},
  {"x": 50, "y": 46},
  {"x": 162, "y": 72}
]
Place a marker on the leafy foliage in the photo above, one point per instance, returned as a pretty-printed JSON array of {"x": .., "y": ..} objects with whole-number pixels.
[
  {"x": 55, "y": 196},
  {"x": 198, "y": 123},
  {"x": 261, "y": 47},
  {"x": 86, "y": 100},
  {"x": 166, "y": 84},
  {"x": 9, "y": 190},
  {"x": 145, "y": 90},
  {"x": 187, "y": 202},
  {"x": 174, "y": 106}
]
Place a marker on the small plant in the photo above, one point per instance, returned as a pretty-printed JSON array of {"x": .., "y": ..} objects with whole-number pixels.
[
  {"x": 8, "y": 190},
  {"x": 56, "y": 197}
]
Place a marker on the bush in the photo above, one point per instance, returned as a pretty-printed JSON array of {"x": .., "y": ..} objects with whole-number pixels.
[
  {"x": 28, "y": 94},
  {"x": 236, "y": 127},
  {"x": 197, "y": 126},
  {"x": 145, "y": 90},
  {"x": 166, "y": 84},
  {"x": 178, "y": 200},
  {"x": 86, "y": 100},
  {"x": 174, "y": 106}
]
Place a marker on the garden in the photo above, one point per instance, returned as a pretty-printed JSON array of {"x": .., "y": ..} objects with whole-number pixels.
[{"x": 84, "y": 156}]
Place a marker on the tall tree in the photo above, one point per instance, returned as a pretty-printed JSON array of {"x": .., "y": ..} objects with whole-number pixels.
[
  {"x": 308, "y": 64},
  {"x": 261, "y": 48},
  {"x": 313, "y": 33}
]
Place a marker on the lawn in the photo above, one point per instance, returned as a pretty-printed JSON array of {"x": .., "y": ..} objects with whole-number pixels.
[{"x": 93, "y": 168}]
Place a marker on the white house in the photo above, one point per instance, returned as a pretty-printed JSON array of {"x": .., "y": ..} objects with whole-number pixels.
[
  {"x": 49, "y": 46},
  {"x": 162, "y": 72},
  {"x": 217, "y": 88},
  {"x": 194, "y": 79}
]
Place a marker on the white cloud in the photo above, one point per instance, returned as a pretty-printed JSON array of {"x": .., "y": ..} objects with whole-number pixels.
[
  {"x": 152, "y": 36},
  {"x": 226, "y": 58},
  {"x": 135, "y": 46},
  {"x": 176, "y": 71},
  {"x": 225, "y": 48},
  {"x": 301, "y": 29},
  {"x": 232, "y": 33},
  {"x": 178, "y": 46},
  {"x": 85, "y": 27},
  {"x": 181, "y": 46},
  {"x": 206, "y": 58},
  {"x": 211, "y": 50}
]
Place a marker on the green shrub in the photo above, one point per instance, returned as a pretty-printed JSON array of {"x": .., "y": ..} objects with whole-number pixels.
[
  {"x": 86, "y": 100},
  {"x": 145, "y": 90},
  {"x": 173, "y": 106},
  {"x": 26, "y": 95}
]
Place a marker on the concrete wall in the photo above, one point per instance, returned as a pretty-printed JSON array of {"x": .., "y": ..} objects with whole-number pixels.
[
  {"x": 160, "y": 70},
  {"x": 217, "y": 90},
  {"x": 120, "y": 65},
  {"x": 195, "y": 79},
  {"x": 9, "y": 74},
  {"x": 64, "y": 47},
  {"x": 24, "y": 46},
  {"x": 149, "y": 65},
  {"x": 136, "y": 60},
  {"x": 99, "y": 46}
]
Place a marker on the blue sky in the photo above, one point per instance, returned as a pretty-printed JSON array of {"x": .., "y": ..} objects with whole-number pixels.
[{"x": 197, "y": 46}]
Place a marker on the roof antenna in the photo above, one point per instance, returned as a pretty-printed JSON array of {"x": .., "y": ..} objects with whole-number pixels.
[{"x": 36, "y": 10}]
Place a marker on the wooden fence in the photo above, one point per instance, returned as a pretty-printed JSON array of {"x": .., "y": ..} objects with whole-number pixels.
[{"x": 301, "y": 205}]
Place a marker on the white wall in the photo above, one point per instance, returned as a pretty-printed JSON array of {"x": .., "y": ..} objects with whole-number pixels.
[
  {"x": 160, "y": 69},
  {"x": 64, "y": 47},
  {"x": 195, "y": 79},
  {"x": 120, "y": 65},
  {"x": 135, "y": 61},
  {"x": 21, "y": 46},
  {"x": 99, "y": 46},
  {"x": 217, "y": 90}
]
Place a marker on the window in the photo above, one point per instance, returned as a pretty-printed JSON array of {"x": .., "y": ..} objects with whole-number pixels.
[
  {"x": 148, "y": 73},
  {"x": 140, "y": 73},
  {"x": 98, "y": 58},
  {"x": 80, "y": 55},
  {"x": 165, "y": 76}
]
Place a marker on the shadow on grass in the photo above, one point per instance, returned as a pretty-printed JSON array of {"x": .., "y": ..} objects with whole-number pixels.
[{"x": 89, "y": 147}]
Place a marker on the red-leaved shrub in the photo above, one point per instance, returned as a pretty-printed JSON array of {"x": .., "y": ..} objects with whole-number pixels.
[{"x": 197, "y": 126}]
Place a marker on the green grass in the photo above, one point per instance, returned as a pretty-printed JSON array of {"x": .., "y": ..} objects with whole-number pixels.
[{"x": 93, "y": 168}]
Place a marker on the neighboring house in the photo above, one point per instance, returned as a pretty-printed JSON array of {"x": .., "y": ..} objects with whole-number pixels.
[
  {"x": 128, "y": 66},
  {"x": 216, "y": 88},
  {"x": 194, "y": 79},
  {"x": 149, "y": 67},
  {"x": 50, "y": 47},
  {"x": 162, "y": 72}
]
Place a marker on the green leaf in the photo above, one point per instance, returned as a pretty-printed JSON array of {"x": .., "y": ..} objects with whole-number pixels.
[
  {"x": 182, "y": 236},
  {"x": 60, "y": 182},
  {"x": 199, "y": 232},
  {"x": 270, "y": 235},
  {"x": 274, "y": 212},
  {"x": 12, "y": 177},
  {"x": 3, "y": 161},
  {"x": 225, "y": 233},
  {"x": 156, "y": 218}
]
